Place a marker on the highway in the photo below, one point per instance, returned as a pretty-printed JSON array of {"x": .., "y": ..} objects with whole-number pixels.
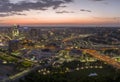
[
  {"x": 103, "y": 58},
  {"x": 75, "y": 37},
  {"x": 21, "y": 74},
  {"x": 95, "y": 54},
  {"x": 91, "y": 52}
]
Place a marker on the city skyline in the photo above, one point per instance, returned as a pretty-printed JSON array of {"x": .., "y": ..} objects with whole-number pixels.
[{"x": 60, "y": 12}]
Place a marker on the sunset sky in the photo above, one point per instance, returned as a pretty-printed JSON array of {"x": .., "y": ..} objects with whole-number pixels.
[{"x": 60, "y": 12}]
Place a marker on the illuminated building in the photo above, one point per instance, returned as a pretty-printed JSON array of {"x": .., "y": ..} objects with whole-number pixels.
[
  {"x": 15, "y": 31},
  {"x": 13, "y": 45}
]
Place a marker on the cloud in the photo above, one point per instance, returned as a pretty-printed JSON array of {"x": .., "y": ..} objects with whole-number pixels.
[
  {"x": 84, "y": 10},
  {"x": 61, "y": 12},
  {"x": 102, "y": 1},
  {"x": 6, "y": 6},
  {"x": 68, "y": 0},
  {"x": 10, "y": 14},
  {"x": 1, "y": 20},
  {"x": 4, "y": 15},
  {"x": 97, "y": 0},
  {"x": 115, "y": 19},
  {"x": 16, "y": 13},
  {"x": 107, "y": 18}
]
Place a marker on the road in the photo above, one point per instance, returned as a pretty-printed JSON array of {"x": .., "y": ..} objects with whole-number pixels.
[
  {"x": 101, "y": 57},
  {"x": 21, "y": 74},
  {"x": 95, "y": 54},
  {"x": 104, "y": 58},
  {"x": 75, "y": 37},
  {"x": 91, "y": 52}
]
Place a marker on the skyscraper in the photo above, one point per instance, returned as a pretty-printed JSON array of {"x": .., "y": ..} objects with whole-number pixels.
[{"x": 15, "y": 31}]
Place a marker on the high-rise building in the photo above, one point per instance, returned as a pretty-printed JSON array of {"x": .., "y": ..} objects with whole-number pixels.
[
  {"x": 15, "y": 31},
  {"x": 13, "y": 46}
]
